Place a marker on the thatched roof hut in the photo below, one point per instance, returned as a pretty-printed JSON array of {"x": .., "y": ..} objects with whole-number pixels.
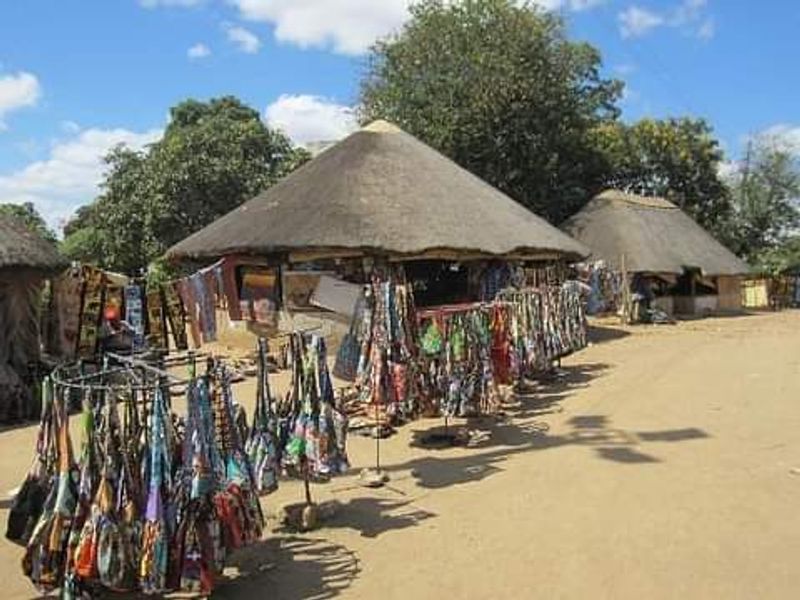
[
  {"x": 653, "y": 234},
  {"x": 25, "y": 260},
  {"x": 21, "y": 248},
  {"x": 381, "y": 191}
]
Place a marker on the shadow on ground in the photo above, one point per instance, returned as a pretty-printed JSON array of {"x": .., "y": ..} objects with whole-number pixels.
[
  {"x": 522, "y": 430},
  {"x": 600, "y": 334},
  {"x": 289, "y": 568},
  {"x": 373, "y": 516}
]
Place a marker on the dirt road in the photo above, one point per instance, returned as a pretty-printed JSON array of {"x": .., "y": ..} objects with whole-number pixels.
[{"x": 666, "y": 466}]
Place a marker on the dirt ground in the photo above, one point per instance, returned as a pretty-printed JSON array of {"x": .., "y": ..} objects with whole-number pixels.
[{"x": 667, "y": 465}]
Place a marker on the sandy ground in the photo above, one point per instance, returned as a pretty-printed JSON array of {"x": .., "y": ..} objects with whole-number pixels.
[{"x": 667, "y": 466}]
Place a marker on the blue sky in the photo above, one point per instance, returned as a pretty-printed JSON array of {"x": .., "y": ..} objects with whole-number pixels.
[{"x": 78, "y": 77}]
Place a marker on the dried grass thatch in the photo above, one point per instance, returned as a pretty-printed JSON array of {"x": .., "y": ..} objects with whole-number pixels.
[
  {"x": 21, "y": 248},
  {"x": 654, "y": 235},
  {"x": 20, "y": 298},
  {"x": 381, "y": 191}
]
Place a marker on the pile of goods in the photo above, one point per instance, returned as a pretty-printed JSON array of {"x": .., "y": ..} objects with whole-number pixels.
[
  {"x": 449, "y": 360},
  {"x": 153, "y": 503},
  {"x": 456, "y": 359}
]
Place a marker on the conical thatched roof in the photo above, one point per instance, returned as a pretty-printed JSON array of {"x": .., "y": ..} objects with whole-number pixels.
[
  {"x": 380, "y": 190},
  {"x": 20, "y": 248},
  {"x": 654, "y": 235}
]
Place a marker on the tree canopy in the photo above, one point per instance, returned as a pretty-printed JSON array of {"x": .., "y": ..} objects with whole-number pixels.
[
  {"x": 765, "y": 193},
  {"x": 500, "y": 89},
  {"x": 213, "y": 156},
  {"x": 678, "y": 159}
]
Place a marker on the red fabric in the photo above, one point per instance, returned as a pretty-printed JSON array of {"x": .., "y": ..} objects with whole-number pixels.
[
  {"x": 501, "y": 352},
  {"x": 186, "y": 293},
  {"x": 230, "y": 289}
]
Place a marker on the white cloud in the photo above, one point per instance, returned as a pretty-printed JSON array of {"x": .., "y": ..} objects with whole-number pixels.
[
  {"x": 179, "y": 3},
  {"x": 70, "y": 127},
  {"x": 198, "y": 51},
  {"x": 17, "y": 91},
  {"x": 707, "y": 29},
  {"x": 786, "y": 136},
  {"x": 346, "y": 26},
  {"x": 625, "y": 69},
  {"x": 246, "y": 41},
  {"x": 69, "y": 177},
  {"x": 636, "y": 22},
  {"x": 574, "y": 5},
  {"x": 688, "y": 16},
  {"x": 306, "y": 118}
]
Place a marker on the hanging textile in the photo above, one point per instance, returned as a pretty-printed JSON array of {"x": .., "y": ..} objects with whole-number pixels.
[
  {"x": 66, "y": 309},
  {"x": 149, "y": 506},
  {"x": 156, "y": 321},
  {"x": 387, "y": 331},
  {"x": 45, "y": 554},
  {"x": 545, "y": 324},
  {"x": 91, "y": 311},
  {"x": 134, "y": 313},
  {"x": 262, "y": 443},
  {"x": 176, "y": 315},
  {"x": 456, "y": 359},
  {"x": 188, "y": 298},
  {"x": 314, "y": 428},
  {"x": 230, "y": 289},
  {"x": 202, "y": 285}
]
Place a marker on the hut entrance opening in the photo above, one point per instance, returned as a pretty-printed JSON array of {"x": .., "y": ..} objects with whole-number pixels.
[{"x": 438, "y": 282}]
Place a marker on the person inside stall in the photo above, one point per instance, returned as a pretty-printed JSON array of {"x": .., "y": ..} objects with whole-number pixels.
[
  {"x": 642, "y": 297},
  {"x": 115, "y": 334}
]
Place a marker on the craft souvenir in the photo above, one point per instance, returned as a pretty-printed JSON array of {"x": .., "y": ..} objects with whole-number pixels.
[
  {"x": 261, "y": 446},
  {"x": 30, "y": 499},
  {"x": 45, "y": 557}
]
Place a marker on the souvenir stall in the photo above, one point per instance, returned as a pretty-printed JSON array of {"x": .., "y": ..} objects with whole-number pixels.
[
  {"x": 672, "y": 263},
  {"x": 26, "y": 261},
  {"x": 414, "y": 232},
  {"x": 87, "y": 305},
  {"x": 388, "y": 197},
  {"x": 450, "y": 360},
  {"x": 151, "y": 502},
  {"x": 607, "y": 287}
]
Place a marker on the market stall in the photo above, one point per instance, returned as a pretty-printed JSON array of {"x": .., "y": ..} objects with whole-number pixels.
[
  {"x": 667, "y": 259},
  {"x": 382, "y": 217}
]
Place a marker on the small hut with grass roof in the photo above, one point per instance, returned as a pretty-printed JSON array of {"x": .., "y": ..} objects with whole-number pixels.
[
  {"x": 653, "y": 238},
  {"x": 26, "y": 260}
]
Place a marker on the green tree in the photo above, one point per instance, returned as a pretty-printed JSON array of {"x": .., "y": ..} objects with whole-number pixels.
[
  {"x": 678, "y": 159},
  {"x": 30, "y": 217},
  {"x": 765, "y": 194},
  {"x": 213, "y": 156},
  {"x": 500, "y": 89}
]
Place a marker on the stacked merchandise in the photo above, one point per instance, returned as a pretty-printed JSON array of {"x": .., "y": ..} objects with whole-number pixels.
[
  {"x": 542, "y": 325},
  {"x": 607, "y": 287},
  {"x": 384, "y": 345},
  {"x": 455, "y": 359},
  {"x": 152, "y": 504},
  {"x": 312, "y": 428}
]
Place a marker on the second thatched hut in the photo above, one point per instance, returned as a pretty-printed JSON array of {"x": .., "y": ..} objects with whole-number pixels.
[{"x": 663, "y": 247}]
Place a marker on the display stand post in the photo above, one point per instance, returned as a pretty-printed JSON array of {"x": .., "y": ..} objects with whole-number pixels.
[{"x": 375, "y": 478}]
